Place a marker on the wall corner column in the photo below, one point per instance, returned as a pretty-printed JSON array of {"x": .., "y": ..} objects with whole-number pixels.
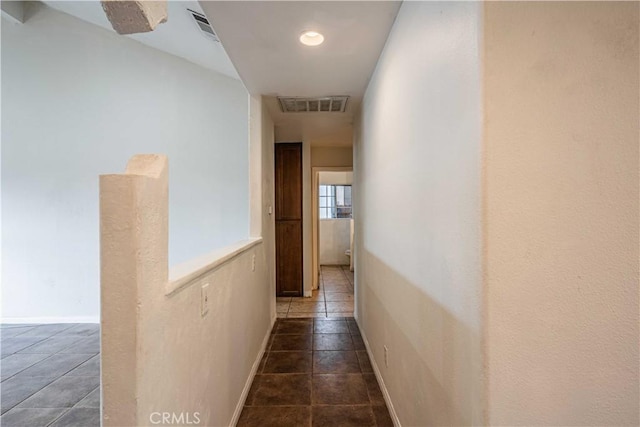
[{"x": 133, "y": 274}]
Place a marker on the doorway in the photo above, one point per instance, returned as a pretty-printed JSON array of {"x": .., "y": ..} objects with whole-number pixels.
[{"x": 332, "y": 234}]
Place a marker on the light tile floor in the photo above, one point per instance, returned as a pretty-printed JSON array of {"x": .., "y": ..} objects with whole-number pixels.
[
  {"x": 333, "y": 299},
  {"x": 50, "y": 375}
]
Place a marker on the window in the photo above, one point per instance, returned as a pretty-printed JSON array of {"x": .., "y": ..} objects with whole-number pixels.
[{"x": 335, "y": 201}]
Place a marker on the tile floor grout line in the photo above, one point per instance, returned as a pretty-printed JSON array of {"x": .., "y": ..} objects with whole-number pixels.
[
  {"x": 22, "y": 370},
  {"x": 16, "y": 405},
  {"x": 44, "y": 386},
  {"x": 368, "y": 405},
  {"x": 58, "y": 417},
  {"x": 48, "y": 379},
  {"x": 324, "y": 295},
  {"x": 51, "y": 336},
  {"x": 346, "y": 276},
  {"x": 47, "y": 385}
]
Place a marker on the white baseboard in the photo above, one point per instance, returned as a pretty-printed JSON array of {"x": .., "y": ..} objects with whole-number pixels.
[
  {"x": 383, "y": 387},
  {"x": 27, "y": 320},
  {"x": 252, "y": 374}
]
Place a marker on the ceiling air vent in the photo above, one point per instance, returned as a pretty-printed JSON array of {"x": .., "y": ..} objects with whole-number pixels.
[
  {"x": 203, "y": 23},
  {"x": 329, "y": 104}
]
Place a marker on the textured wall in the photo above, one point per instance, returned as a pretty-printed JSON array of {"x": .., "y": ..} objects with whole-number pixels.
[
  {"x": 79, "y": 101},
  {"x": 159, "y": 353},
  {"x": 561, "y": 212},
  {"x": 268, "y": 198},
  {"x": 417, "y": 214}
]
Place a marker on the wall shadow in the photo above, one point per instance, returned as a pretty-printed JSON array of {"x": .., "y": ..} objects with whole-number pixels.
[{"x": 434, "y": 375}]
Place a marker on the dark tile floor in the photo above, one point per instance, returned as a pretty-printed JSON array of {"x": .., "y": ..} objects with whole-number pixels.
[
  {"x": 50, "y": 375},
  {"x": 315, "y": 372}
]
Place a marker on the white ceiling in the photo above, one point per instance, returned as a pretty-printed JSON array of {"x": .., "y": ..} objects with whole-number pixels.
[
  {"x": 261, "y": 39},
  {"x": 178, "y": 36}
]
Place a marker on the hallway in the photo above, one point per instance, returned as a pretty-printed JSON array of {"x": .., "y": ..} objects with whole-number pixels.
[
  {"x": 183, "y": 183},
  {"x": 315, "y": 372},
  {"x": 334, "y": 298}
]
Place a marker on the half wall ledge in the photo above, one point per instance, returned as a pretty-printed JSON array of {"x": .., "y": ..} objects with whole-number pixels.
[{"x": 183, "y": 275}]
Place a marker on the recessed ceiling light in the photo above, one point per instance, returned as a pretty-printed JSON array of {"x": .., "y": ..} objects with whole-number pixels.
[{"x": 311, "y": 38}]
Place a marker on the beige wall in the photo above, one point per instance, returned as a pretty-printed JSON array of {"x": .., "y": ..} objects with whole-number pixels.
[
  {"x": 261, "y": 153},
  {"x": 159, "y": 354},
  {"x": 188, "y": 363},
  {"x": 561, "y": 212},
  {"x": 307, "y": 221},
  {"x": 332, "y": 156},
  {"x": 507, "y": 297},
  {"x": 417, "y": 215},
  {"x": 335, "y": 178},
  {"x": 268, "y": 201}
]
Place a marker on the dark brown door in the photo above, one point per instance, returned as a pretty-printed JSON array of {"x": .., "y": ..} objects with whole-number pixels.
[{"x": 288, "y": 183}]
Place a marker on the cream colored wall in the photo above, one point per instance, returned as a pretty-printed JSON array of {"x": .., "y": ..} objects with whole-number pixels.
[
  {"x": 332, "y": 156},
  {"x": 334, "y": 239},
  {"x": 336, "y": 178},
  {"x": 256, "y": 166},
  {"x": 159, "y": 354},
  {"x": 417, "y": 215},
  {"x": 268, "y": 201},
  {"x": 194, "y": 364},
  {"x": 561, "y": 212},
  {"x": 307, "y": 221}
]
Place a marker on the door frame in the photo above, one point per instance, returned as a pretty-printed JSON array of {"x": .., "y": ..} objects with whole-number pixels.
[{"x": 315, "y": 238}]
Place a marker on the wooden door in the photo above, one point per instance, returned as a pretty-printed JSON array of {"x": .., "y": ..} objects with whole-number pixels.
[{"x": 288, "y": 183}]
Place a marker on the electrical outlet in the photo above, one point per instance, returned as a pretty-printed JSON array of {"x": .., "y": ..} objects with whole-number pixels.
[
  {"x": 253, "y": 263},
  {"x": 386, "y": 356},
  {"x": 204, "y": 299}
]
